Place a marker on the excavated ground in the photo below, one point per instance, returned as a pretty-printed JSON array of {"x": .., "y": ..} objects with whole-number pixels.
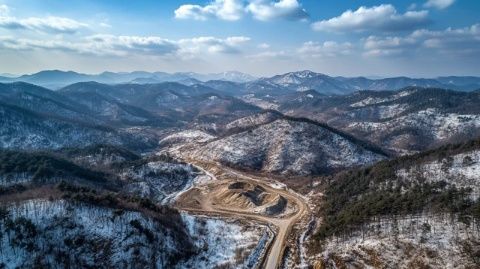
[
  {"x": 239, "y": 196},
  {"x": 235, "y": 194}
]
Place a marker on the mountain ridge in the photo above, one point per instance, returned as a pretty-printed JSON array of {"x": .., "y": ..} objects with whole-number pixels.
[{"x": 293, "y": 81}]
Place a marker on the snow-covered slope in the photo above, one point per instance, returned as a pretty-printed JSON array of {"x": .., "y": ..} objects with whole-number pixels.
[
  {"x": 63, "y": 234},
  {"x": 460, "y": 170},
  {"x": 225, "y": 243},
  {"x": 284, "y": 145},
  {"x": 411, "y": 212},
  {"x": 59, "y": 234},
  {"x": 22, "y": 129},
  {"x": 252, "y": 121},
  {"x": 410, "y": 131},
  {"x": 405, "y": 121},
  {"x": 105, "y": 211},
  {"x": 412, "y": 241},
  {"x": 159, "y": 180},
  {"x": 306, "y": 80}
]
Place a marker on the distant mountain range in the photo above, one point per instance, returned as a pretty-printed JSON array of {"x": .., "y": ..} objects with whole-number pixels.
[
  {"x": 308, "y": 80},
  {"x": 237, "y": 83},
  {"x": 55, "y": 79},
  {"x": 405, "y": 121}
]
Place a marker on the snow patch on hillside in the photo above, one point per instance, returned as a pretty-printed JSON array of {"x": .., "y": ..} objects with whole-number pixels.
[
  {"x": 405, "y": 242},
  {"x": 251, "y": 99},
  {"x": 226, "y": 243},
  {"x": 185, "y": 137},
  {"x": 160, "y": 181},
  {"x": 439, "y": 125},
  {"x": 13, "y": 179},
  {"x": 89, "y": 236},
  {"x": 461, "y": 170},
  {"x": 251, "y": 121},
  {"x": 287, "y": 147},
  {"x": 378, "y": 100},
  {"x": 391, "y": 110},
  {"x": 83, "y": 233}
]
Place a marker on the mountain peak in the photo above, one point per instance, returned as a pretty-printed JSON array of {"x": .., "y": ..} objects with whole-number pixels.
[{"x": 306, "y": 74}]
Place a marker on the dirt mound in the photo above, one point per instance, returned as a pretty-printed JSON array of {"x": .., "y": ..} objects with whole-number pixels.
[
  {"x": 242, "y": 195},
  {"x": 256, "y": 195},
  {"x": 278, "y": 207}
]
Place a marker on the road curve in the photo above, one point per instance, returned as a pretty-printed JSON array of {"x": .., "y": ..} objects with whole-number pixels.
[{"x": 283, "y": 225}]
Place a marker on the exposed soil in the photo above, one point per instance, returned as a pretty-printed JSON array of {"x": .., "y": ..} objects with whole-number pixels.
[{"x": 235, "y": 194}]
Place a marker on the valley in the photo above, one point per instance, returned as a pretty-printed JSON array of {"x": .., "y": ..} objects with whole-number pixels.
[
  {"x": 252, "y": 174},
  {"x": 239, "y": 134}
]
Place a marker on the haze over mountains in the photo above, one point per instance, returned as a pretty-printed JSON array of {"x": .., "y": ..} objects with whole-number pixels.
[
  {"x": 293, "y": 81},
  {"x": 410, "y": 119},
  {"x": 56, "y": 79}
]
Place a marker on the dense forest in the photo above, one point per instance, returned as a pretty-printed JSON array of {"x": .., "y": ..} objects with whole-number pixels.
[
  {"x": 43, "y": 166},
  {"x": 355, "y": 197}
]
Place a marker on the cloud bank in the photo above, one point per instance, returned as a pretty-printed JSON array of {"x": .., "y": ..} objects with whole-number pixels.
[
  {"x": 50, "y": 24},
  {"x": 377, "y": 18},
  {"x": 111, "y": 45},
  {"x": 449, "y": 42}
]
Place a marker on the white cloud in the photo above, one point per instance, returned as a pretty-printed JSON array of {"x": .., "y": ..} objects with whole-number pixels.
[
  {"x": 307, "y": 50},
  {"x": 325, "y": 49},
  {"x": 49, "y": 24},
  {"x": 230, "y": 10},
  {"x": 97, "y": 45},
  {"x": 122, "y": 45},
  {"x": 388, "y": 46},
  {"x": 111, "y": 45},
  {"x": 4, "y": 10},
  {"x": 193, "y": 47},
  {"x": 265, "y": 10},
  {"x": 377, "y": 18},
  {"x": 454, "y": 42},
  {"x": 12, "y": 43},
  {"x": 439, "y": 4}
]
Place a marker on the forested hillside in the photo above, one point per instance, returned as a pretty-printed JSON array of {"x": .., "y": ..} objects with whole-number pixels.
[{"x": 400, "y": 199}]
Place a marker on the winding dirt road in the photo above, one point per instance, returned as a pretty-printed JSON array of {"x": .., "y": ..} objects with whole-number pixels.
[{"x": 282, "y": 223}]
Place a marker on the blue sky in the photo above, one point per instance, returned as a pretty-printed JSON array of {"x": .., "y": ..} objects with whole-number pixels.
[{"x": 423, "y": 38}]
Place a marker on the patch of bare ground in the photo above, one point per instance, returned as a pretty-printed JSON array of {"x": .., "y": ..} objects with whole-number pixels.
[
  {"x": 239, "y": 196},
  {"x": 236, "y": 194}
]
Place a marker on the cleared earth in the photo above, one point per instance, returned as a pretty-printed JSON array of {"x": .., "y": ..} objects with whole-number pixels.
[{"x": 238, "y": 195}]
